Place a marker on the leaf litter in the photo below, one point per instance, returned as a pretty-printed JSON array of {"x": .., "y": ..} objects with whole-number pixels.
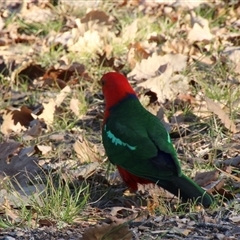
[{"x": 51, "y": 111}]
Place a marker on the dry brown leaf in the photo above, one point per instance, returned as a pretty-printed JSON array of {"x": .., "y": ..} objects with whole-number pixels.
[
  {"x": 108, "y": 49},
  {"x": 184, "y": 231},
  {"x": 63, "y": 73},
  {"x": 234, "y": 38},
  {"x": 49, "y": 108},
  {"x": 2, "y": 23},
  {"x": 48, "y": 111},
  {"x": 74, "y": 106},
  {"x": 119, "y": 212},
  {"x": 136, "y": 53},
  {"x": 57, "y": 137},
  {"x": 86, "y": 151},
  {"x": 85, "y": 171},
  {"x": 22, "y": 196},
  {"x": 8, "y": 149},
  {"x": 200, "y": 31},
  {"x": 47, "y": 223},
  {"x": 177, "y": 45},
  {"x": 219, "y": 188},
  {"x": 10, "y": 212},
  {"x": 188, "y": 4},
  {"x": 62, "y": 95},
  {"x": 166, "y": 86},
  {"x": 114, "y": 178},
  {"x": 205, "y": 178},
  {"x": 129, "y": 32},
  {"x": 235, "y": 219},
  {"x": 66, "y": 164},
  {"x": 34, "y": 131},
  {"x": 89, "y": 36},
  {"x": 91, "y": 42},
  {"x": 107, "y": 61},
  {"x": 233, "y": 54},
  {"x": 36, "y": 14},
  {"x": 108, "y": 232},
  {"x": 150, "y": 67},
  {"x": 28, "y": 151},
  {"x": 96, "y": 15},
  {"x": 29, "y": 69},
  {"x": 16, "y": 120},
  {"x": 216, "y": 109},
  {"x": 11, "y": 34},
  {"x": 204, "y": 60},
  {"x": 54, "y": 83},
  {"x": 227, "y": 172},
  {"x": 235, "y": 162},
  {"x": 22, "y": 166},
  {"x": 44, "y": 149}
]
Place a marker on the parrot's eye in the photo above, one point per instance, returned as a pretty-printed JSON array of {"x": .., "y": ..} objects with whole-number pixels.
[{"x": 102, "y": 82}]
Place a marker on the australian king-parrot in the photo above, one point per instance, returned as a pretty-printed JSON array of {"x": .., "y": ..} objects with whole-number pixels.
[{"x": 139, "y": 145}]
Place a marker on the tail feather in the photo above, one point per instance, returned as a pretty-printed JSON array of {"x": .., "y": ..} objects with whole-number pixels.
[{"x": 186, "y": 189}]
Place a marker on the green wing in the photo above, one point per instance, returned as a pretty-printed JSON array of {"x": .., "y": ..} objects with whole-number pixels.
[{"x": 132, "y": 136}]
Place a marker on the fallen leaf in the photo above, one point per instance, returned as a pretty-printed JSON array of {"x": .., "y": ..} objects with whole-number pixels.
[
  {"x": 166, "y": 86},
  {"x": 188, "y": 4},
  {"x": 178, "y": 45},
  {"x": 129, "y": 32},
  {"x": 226, "y": 171},
  {"x": 48, "y": 111},
  {"x": 17, "y": 198},
  {"x": 62, "y": 95},
  {"x": 235, "y": 219},
  {"x": 200, "y": 31},
  {"x": 216, "y": 109},
  {"x": 123, "y": 212},
  {"x": 235, "y": 162},
  {"x": 49, "y": 108},
  {"x": 47, "y": 223},
  {"x": 219, "y": 188},
  {"x": 205, "y": 178},
  {"x": 114, "y": 178},
  {"x": 57, "y": 137},
  {"x": 182, "y": 231},
  {"x": 96, "y": 15},
  {"x": 90, "y": 42},
  {"x": 108, "y": 231},
  {"x": 34, "y": 131},
  {"x": 86, "y": 152},
  {"x": 149, "y": 67},
  {"x": 20, "y": 168},
  {"x": 136, "y": 53},
  {"x": 36, "y": 14},
  {"x": 8, "y": 149},
  {"x": 10, "y": 212},
  {"x": 74, "y": 106},
  {"x": 85, "y": 171},
  {"x": 15, "y": 120},
  {"x": 233, "y": 53},
  {"x": 67, "y": 164},
  {"x": 64, "y": 74},
  {"x": 44, "y": 149},
  {"x": 28, "y": 151}
]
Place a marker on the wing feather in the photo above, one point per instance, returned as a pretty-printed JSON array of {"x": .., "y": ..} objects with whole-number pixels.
[{"x": 133, "y": 138}]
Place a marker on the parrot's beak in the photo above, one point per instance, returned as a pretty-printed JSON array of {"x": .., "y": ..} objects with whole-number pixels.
[{"x": 101, "y": 82}]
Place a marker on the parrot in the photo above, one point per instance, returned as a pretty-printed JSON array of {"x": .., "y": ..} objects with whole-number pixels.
[{"x": 138, "y": 144}]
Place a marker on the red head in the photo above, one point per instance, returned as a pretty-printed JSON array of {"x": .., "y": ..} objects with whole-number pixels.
[{"x": 115, "y": 87}]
